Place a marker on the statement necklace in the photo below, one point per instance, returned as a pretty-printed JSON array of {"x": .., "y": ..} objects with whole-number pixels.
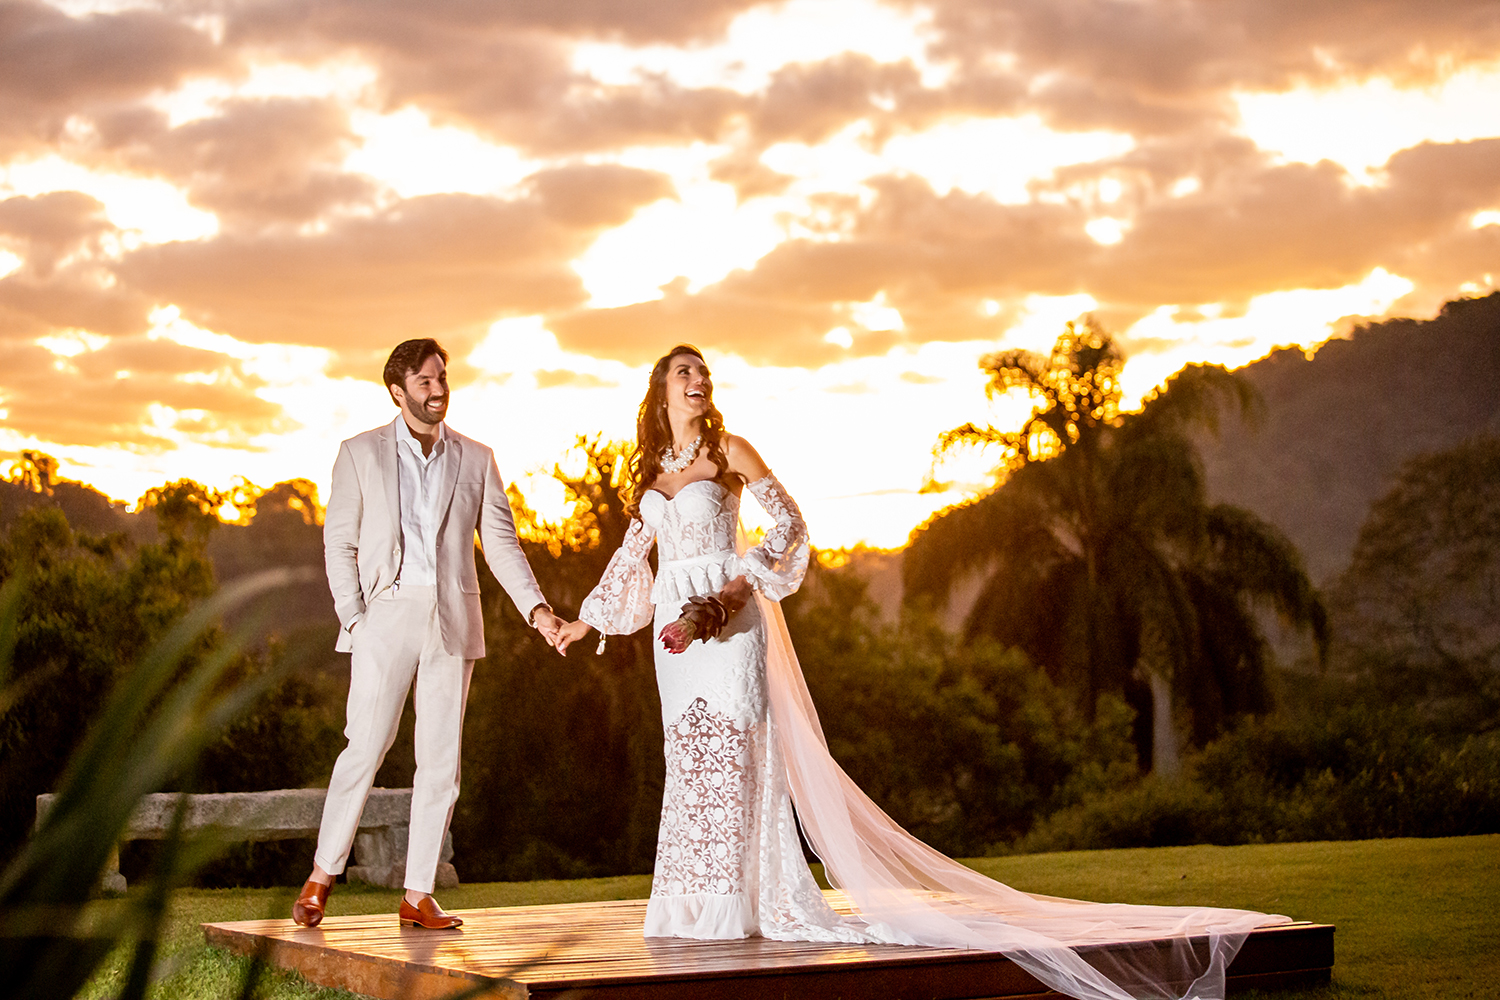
[{"x": 673, "y": 462}]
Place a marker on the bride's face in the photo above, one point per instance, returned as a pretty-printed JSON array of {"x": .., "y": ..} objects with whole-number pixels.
[{"x": 690, "y": 389}]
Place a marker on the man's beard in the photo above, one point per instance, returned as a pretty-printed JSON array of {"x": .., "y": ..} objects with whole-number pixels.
[{"x": 426, "y": 416}]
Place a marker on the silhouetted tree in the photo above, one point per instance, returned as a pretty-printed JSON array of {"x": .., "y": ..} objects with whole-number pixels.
[
  {"x": 186, "y": 511},
  {"x": 1103, "y": 559},
  {"x": 34, "y": 471},
  {"x": 33, "y": 481}
]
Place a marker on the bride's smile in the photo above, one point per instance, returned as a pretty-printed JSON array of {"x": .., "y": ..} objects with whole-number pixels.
[{"x": 690, "y": 386}]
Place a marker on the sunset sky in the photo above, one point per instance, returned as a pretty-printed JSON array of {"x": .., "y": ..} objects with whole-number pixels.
[{"x": 218, "y": 216}]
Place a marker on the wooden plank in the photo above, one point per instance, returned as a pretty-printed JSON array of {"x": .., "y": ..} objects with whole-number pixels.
[{"x": 546, "y": 951}]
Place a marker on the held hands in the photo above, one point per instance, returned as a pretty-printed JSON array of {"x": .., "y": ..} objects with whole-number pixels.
[
  {"x": 569, "y": 634},
  {"x": 549, "y": 625}
]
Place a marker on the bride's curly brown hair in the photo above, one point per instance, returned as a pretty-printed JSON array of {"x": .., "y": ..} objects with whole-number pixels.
[{"x": 653, "y": 433}]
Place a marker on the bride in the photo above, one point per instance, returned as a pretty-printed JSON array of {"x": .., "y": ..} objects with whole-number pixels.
[{"x": 742, "y": 743}]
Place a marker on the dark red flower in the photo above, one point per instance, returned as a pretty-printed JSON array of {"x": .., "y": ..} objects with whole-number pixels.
[
  {"x": 702, "y": 618},
  {"x": 676, "y": 636}
]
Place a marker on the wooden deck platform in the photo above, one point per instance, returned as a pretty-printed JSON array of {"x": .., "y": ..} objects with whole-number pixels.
[{"x": 596, "y": 950}]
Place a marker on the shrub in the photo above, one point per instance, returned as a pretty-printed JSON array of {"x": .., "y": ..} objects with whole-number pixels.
[{"x": 1361, "y": 773}]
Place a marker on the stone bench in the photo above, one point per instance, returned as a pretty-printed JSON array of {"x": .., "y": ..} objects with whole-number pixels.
[{"x": 379, "y": 856}]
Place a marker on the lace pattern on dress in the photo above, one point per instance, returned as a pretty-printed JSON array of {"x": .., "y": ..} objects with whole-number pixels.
[
  {"x": 777, "y": 565},
  {"x": 790, "y": 906},
  {"x": 707, "y": 806},
  {"x": 621, "y": 603}
]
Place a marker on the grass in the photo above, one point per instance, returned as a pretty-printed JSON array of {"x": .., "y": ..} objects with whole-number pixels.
[{"x": 1414, "y": 917}]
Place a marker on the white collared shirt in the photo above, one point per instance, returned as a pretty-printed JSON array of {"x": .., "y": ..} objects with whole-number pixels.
[{"x": 419, "y": 479}]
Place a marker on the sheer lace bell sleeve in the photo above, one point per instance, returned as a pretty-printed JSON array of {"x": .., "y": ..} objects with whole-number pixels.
[
  {"x": 621, "y": 603},
  {"x": 777, "y": 565}
]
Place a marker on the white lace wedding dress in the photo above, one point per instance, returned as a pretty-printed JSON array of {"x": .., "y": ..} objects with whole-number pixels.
[{"x": 743, "y": 742}]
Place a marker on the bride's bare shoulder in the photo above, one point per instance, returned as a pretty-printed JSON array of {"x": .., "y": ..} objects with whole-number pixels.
[{"x": 744, "y": 460}]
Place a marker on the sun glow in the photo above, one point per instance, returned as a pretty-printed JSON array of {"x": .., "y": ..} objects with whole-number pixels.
[
  {"x": 996, "y": 156},
  {"x": 1302, "y": 317},
  {"x": 1360, "y": 126},
  {"x": 701, "y": 235},
  {"x": 928, "y": 168},
  {"x": 407, "y": 153},
  {"x": 149, "y": 211},
  {"x": 764, "y": 39}
]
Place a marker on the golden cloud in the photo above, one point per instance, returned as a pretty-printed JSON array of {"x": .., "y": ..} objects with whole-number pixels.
[{"x": 105, "y": 397}]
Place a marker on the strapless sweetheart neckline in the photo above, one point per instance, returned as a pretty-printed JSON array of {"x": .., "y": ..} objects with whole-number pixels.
[{"x": 684, "y": 487}]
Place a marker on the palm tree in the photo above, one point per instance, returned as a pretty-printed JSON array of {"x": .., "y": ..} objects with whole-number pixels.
[{"x": 1103, "y": 558}]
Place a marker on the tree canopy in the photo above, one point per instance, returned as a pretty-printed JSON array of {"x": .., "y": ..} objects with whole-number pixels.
[
  {"x": 1100, "y": 554},
  {"x": 1418, "y": 610}
]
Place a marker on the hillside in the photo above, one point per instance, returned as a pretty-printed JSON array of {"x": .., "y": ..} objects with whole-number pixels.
[
  {"x": 1338, "y": 426},
  {"x": 278, "y": 536},
  {"x": 1335, "y": 430}
]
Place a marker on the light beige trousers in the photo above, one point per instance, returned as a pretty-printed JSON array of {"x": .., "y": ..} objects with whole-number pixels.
[{"x": 397, "y": 640}]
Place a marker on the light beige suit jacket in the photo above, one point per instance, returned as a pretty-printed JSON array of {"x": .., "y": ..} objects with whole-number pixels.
[{"x": 362, "y": 536}]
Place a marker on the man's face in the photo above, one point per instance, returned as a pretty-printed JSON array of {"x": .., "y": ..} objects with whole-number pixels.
[{"x": 425, "y": 396}]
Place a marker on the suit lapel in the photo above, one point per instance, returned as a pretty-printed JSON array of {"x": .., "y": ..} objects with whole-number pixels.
[
  {"x": 390, "y": 475},
  {"x": 450, "y": 475}
]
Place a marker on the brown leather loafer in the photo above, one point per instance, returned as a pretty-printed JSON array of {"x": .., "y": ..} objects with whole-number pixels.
[
  {"x": 308, "y": 909},
  {"x": 428, "y": 914}
]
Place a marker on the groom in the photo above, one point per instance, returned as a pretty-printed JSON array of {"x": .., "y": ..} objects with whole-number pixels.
[{"x": 398, "y": 540}]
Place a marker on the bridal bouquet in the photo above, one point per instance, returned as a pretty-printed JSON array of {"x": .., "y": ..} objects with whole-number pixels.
[{"x": 702, "y": 618}]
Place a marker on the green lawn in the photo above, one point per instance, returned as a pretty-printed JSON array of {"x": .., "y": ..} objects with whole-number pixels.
[{"x": 1414, "y": 917}]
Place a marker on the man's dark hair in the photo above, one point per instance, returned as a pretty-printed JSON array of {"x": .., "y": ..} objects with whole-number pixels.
[{"x": 409, "y": 356}]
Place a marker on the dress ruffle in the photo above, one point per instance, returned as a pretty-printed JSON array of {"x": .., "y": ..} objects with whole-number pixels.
[
  {"x": 701, "y": 915},
  {"x": 702, "y": 576}
]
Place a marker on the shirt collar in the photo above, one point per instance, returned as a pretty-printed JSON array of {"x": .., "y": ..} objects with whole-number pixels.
[{"x": 405, "y": 436}]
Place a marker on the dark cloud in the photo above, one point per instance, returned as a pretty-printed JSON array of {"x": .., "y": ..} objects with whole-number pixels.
[
  {"x": 810, "y": 102},
  {"x": 104, "y": 397},
  {"x": 1254, "y": 226},
  {"x": 42, "y": 230},
  {"x": 1149, "y": 67},
  {"x": 523, "y": 91},
  {"x": 589, "y": 196},
  {"x": 1071, "y": 104},
  {"x": 504, "y": 69},
  {"x": 62, "y": 282},
  {"x": 1266, "y": 226},
  {"x": 255, "y": 162},
  {"x": 392, "y": 20},
  {"x": 441, "y": 265},
  {"x": 759, "y": 328},
  {"x": 743, "y": 170},
  {"x": 67, "y": 301},
  {"x": 936, "y": 258},
  {"x": 54, "y": 67}
]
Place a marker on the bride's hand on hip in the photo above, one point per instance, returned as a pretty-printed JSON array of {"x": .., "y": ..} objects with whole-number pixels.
[
  {"x": 736, "y": 594},
  {"x": 571, "y": 633}
]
